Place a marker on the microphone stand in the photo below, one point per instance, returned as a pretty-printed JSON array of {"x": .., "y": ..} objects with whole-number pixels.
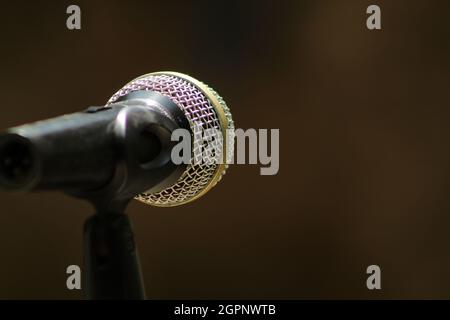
[{"x": 112, "y": 268}]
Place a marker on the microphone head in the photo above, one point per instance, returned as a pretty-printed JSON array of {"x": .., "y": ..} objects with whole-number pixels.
[{"x": 205, "y": 111}]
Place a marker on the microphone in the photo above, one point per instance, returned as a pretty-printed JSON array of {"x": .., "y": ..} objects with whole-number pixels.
[
  {"x": 111, "y": 154},
  {"x": 122, "y": 150}
]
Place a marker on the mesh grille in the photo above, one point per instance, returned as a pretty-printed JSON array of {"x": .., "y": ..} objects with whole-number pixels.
[{"x": 201, "y": 116}]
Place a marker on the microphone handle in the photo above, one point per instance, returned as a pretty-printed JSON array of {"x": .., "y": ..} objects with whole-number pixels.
[
  {"x": 70, "y": 151},
  {"x": 112, "y": 268}
]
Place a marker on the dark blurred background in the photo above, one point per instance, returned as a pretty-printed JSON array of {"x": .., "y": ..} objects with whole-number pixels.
[{"x": 363, "y": 115}]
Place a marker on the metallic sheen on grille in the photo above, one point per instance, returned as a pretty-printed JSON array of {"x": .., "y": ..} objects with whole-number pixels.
[{"x": 202, "y": 114}]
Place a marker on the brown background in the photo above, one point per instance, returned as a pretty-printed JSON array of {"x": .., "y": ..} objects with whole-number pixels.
[{"x": 363, "y": 115}]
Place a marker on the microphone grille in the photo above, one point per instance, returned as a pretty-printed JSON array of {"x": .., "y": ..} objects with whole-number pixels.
[{"x": 204, "y": 109}]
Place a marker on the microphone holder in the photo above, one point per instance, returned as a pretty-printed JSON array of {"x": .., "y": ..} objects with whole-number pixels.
[
  {"x": 105, "y": 155},
  {"x": 111, "y": 258}
]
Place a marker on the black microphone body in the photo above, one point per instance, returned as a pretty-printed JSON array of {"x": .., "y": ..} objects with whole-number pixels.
[{"x": 36, "y": 156}]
